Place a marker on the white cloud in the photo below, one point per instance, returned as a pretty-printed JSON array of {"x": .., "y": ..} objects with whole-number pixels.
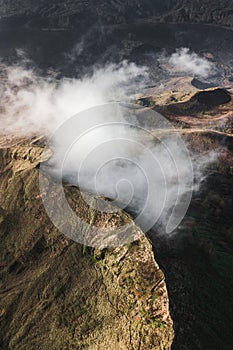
[
  {"x": 185, "y": 61},
  {"x": 34, "y": 104}
]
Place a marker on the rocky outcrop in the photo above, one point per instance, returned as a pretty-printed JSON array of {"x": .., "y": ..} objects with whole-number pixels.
[{"x": 57, "y": 294}]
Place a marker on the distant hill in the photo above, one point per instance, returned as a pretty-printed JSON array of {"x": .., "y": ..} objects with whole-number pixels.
[{"x": 58, "y": 13}]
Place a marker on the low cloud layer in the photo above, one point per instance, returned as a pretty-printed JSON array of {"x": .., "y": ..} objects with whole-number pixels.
[
  {"x": 152, "y": 177},
  {"x": 184, "y": 61},
  {"x": 31, "y": 103}
]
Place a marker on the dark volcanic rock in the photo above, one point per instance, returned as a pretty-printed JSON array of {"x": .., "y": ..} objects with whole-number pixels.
[
  {"x": 201, "y": 85},
  {"x": 212, "y": 98}
]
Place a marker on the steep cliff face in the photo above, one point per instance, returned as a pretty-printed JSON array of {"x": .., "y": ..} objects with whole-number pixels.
[
  {"x": 71, "y": 12},
  {"x": 197, "y": 260},
  {"x": 57, "y": 294}
]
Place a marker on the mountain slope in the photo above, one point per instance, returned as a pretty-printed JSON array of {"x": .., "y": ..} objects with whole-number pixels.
[
  {"x": 73, "y": 12},
  {"x": 58, "y": 294}
]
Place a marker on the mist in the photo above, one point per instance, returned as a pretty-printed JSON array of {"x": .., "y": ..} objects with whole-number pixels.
[
  {"x": 184, "y": 61},
  {"x": 31, "y": 103},
  {"x": 105, "y": 150}
]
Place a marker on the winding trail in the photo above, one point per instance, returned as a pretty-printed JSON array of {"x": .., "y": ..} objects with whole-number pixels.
[{"x": 191, "y": 131}]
